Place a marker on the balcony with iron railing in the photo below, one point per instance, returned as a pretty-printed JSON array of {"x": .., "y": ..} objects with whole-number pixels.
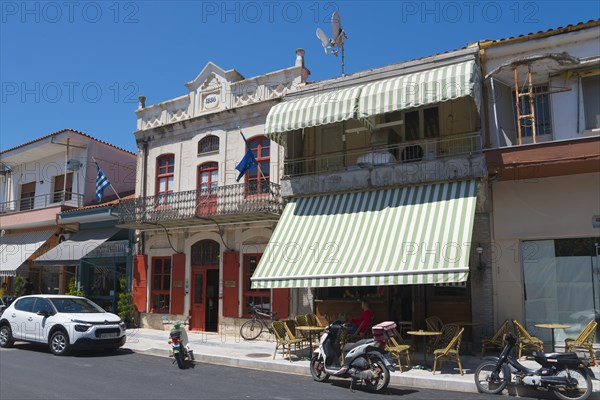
[
  {"x": 246, "y": 202},
  {"x": 409, "y": 162},
  {"x": 54, "y": 199}
]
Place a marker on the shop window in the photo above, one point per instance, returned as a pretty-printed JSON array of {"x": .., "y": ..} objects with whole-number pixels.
[
  {"x": 257, "y": 179},
  {"x": 455, "y": 291},
  {"x": 161, "y": 284},
  {"x": 541, "y": 104},
  {"x": 590, "y": 86},
  {"x": 260, "y": 297},
  {"x": 208, "y": 144},
  {"x": 62, "y": 192},
  {"x": 205, "y": 252},
  {"x": 165, "y": 175},
  {"x": 27, "y": 196}
]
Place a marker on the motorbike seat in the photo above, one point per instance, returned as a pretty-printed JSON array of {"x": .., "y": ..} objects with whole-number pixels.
[
  {"x": 350, "y": 346},
  {"x": 557, "y": 356}
]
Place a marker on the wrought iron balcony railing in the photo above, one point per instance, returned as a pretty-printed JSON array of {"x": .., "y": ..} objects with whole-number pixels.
[
  {"x": 246, "y": 201},
  {"x": 54, "y": 199},
  {"x": 404, "y": 152}
]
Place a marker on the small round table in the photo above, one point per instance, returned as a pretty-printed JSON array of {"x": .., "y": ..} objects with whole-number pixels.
[
  {"x": 553, "y": 327},
  {"x": 424, "y": 334},
  {"x": 310, "y": 330}
]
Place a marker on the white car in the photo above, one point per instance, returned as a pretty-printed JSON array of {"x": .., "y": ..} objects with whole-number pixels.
[{"x": 63, "y": 322}]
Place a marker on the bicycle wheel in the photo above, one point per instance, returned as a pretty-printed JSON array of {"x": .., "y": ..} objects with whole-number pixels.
[{"x": 252, "y": 329}]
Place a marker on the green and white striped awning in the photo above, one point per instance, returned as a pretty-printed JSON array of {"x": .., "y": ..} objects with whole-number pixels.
[
  {"x": 421, "y": 88},
  {"x": 410, "y": 235},
  {"x": 317, "y": 109}
]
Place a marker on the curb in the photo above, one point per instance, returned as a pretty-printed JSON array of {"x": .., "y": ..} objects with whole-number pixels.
[{"x": 396, "y": 379}]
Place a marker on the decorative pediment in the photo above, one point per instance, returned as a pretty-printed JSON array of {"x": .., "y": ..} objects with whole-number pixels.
[{"x": 213, "y": 76}]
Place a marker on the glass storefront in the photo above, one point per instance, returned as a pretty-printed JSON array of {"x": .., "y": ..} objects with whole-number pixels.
[{"x": 561, "y": 285}]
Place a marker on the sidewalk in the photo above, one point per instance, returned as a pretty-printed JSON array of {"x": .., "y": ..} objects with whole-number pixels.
[{"x": 232, "y": 350}]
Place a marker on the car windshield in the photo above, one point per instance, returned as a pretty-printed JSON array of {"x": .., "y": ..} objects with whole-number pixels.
[{"x": 75, "y": 305}]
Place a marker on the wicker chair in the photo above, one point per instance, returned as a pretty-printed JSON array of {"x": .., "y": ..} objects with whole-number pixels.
[
  {"x": 496, "y": 341},
  {"x": 526, "y": 341},
  {"x": 313, "y": 320},
  {"x": 285, "y": 339},
  {"x": 301, "y": 320},
  {"x": 585, "y": 340},
  {"x": 397, "y": 348},
  {"x": 434, "y": 324},
  {"x": 449, "y": 353}
]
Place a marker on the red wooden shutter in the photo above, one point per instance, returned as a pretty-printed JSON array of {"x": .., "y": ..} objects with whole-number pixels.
[
  {"x": 281, "y": 302},
  {"x": 178, "y": 283},
  {"x": 231, "y": 286},
  {"x": 139, "y": 282}
]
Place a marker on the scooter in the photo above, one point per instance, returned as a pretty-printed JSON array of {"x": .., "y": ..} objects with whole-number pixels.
[
  {"x": 178, "y": 339},
  {"x": 364, "y": 360},
  {"x": 565, "y": 374}
]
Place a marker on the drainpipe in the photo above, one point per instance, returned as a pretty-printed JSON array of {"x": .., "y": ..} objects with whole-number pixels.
[{"x": 142, "y": 247}]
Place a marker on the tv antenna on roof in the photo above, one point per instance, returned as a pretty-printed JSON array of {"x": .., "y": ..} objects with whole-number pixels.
[{"x": 336, "y": 43}]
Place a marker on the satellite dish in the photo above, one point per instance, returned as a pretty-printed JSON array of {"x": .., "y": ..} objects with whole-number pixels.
[
  {"x": 336, "y": 29},
  {"x": 324, "y": 39},
  {"x": 339, "y": 36}
]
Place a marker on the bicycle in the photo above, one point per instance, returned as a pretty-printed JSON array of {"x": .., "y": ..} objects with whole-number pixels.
[{"x": 254, "y": 327}]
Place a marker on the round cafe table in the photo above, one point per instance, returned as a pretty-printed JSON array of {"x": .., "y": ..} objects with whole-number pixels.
[
  {"x": 553, "y": 327},
  {"x": 424, "y": 334},
  {"x": 310, "y": 331}
]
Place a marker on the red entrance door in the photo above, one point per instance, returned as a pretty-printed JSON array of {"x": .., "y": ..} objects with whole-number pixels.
[{"x": 204, "y": 309}]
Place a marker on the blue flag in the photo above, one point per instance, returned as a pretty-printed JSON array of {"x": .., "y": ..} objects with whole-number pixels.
[
  {"x": 247, "y": 163},
  {"x": 101, "y": 183}
]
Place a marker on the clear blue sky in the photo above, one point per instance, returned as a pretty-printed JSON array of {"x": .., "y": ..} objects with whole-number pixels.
[{"x": 82, "y": 64}]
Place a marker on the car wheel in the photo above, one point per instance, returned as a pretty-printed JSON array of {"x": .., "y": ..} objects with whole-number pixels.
[
  {"x": 6, "y": 339},
  {"x": 59, "y": 343}
]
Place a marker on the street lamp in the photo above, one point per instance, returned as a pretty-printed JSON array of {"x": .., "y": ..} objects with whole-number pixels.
[{"x": 479, "y": 250}]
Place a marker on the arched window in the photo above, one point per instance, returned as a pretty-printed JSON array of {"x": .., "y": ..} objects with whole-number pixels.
[
  {"x": 257, "y": 179},
  {"x": 208, "y": 144},
  {"x": 165, "y": 175},
  {"x": 205, "y": 252}
]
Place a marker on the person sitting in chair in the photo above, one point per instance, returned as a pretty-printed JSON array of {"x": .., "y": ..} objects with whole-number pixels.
[{"x": 364, "y": 319}]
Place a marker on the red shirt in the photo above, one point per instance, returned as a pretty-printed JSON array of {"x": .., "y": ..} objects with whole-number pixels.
[{"x": 366, "y": 317}]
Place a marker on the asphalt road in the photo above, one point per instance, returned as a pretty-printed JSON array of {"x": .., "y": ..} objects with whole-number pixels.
[{"x": 32, "y": 372}]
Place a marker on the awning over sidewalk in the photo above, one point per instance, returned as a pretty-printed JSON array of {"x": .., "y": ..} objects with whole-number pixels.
[
  {"x": 16, "y": 248},
  {"x": 421, "y": 88},
  {"x": 410, "y": 235},
  {"x": 76, "y": 247},
  {"x": 317, "y": 109}
]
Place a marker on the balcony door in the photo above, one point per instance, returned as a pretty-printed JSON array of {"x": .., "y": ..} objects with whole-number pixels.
[
  {"x": 206, "y": 201},
  {"x": 204, "y": 310}
]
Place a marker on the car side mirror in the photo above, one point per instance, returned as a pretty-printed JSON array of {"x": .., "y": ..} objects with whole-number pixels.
[{"x": 43, "y": 312}]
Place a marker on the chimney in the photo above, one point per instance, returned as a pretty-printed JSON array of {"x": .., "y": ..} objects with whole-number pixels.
[
  {"x": 300, "y": 63},
  {"x": 142, "y": 103}
]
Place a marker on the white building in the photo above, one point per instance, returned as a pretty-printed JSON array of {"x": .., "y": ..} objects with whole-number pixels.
[
  {"x": 545, "y": 177},
  {"x": 201, "y": 233}
]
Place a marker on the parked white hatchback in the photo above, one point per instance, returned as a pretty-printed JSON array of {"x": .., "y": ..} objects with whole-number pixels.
[{"x": 63, "y": 322}]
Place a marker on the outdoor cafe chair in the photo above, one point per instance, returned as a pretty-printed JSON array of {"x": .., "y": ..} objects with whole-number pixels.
[
  {"x": 301, "y": 320},
  {"x": 526, "y": 341},
  {"x": 313, "y": 320},
  {"x": 397, "y": 349},
  {"x": 585, "y": 340},
  {"x": 449, "y": 331},
  {"x": 285, "y": 339},
  {"x": 434, "y": 324},
  {"x": 449, "y": 353},
  {"x": 496, "y": 341}
]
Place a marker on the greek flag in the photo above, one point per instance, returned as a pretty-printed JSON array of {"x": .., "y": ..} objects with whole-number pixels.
[
  {"x": 101, "y": 183},
  {"x": 247, "y": 162}
]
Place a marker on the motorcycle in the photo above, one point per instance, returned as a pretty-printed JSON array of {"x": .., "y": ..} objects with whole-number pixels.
[
  {"x": 364, "y": 360},
  {"x": 565, "y": 374},
  {"x": 178, "y": 339}
]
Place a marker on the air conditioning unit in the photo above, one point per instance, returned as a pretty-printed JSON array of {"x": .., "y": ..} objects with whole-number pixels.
[{"x": 73, "y": 165}]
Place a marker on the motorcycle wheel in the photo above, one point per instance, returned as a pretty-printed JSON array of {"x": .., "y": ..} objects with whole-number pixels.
[
  {"x": 180, "y": 360},
  {"x": 582, "y": 391},
  {"x": 250, "y": 330},
  {"x": 317, "y": 368},
  {"x": 382, "y": 380},
  {"x": 486, "y": 382}
]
